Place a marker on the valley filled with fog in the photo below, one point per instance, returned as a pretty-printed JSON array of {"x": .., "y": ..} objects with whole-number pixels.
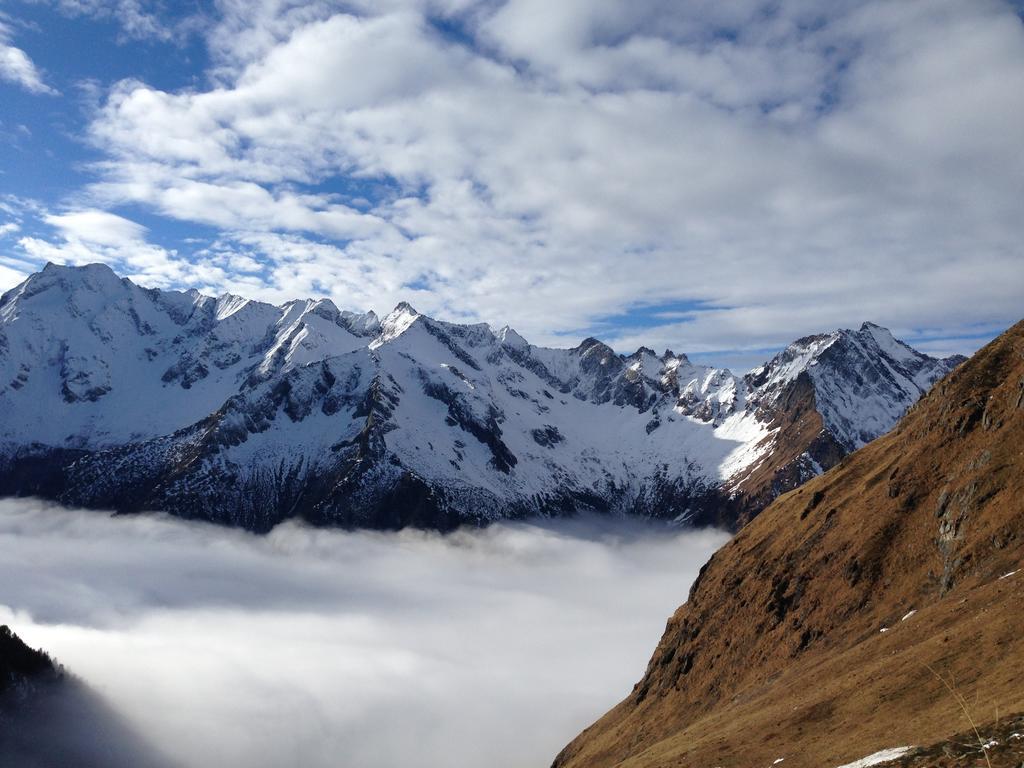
[{"x": 321, "y": 647}]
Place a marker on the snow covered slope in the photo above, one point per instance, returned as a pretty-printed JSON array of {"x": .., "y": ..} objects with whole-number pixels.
[{"x": 112, "y": 395}]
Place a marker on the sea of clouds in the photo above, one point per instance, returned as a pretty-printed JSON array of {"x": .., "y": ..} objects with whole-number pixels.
[{"x": 312, "y": 647}]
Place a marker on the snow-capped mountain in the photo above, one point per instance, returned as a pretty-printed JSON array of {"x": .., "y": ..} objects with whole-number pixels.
[
  {"x": 821, "y": 398},
  {"x": 116, "y": 396}
]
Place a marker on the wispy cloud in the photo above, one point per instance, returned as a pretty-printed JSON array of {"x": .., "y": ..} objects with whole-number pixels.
[
  {"x": 89, "y": 235},
  {"x": 16, "y": 66},
  {"x": 138, "y": 19}
]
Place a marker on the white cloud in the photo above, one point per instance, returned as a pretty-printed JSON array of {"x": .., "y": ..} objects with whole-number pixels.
[
  {"x": 88, "y": 236},
  {"x": 16, "y": 67},
  {"x": 97, "y": 228},
  {"x": 318, "y": 648},
  {"x": 794, "y": 167}
]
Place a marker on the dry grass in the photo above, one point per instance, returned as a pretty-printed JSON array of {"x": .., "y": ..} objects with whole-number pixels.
[{"x": 958, "y": 697}]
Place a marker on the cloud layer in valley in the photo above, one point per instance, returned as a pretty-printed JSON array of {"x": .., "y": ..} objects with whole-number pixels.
[
  {"x": 323, "y": 648},
  {"x": 703, "y": 175}
]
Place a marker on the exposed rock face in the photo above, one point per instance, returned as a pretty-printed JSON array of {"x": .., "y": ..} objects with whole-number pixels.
[
  {"x": 817, "y": 633},
  {"x": 245, "y": 413}
]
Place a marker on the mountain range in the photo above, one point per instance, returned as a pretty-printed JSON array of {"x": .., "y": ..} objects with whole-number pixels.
[{"x": 246, "y": 413}]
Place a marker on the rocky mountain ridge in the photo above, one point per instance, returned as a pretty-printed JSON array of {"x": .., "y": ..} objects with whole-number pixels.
[{"x": 245, "y": 413}]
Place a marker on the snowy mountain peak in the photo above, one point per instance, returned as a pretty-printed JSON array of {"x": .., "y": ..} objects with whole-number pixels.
[
  {"x": 598, "y": 350},
  {"x": 96, "y": 271},
  {"x": 227, "y": 305},
  {"x": 323, "y": 307},
  {"x": 397, "y": 322},
  {"x": 68, "y": 279},
  {"x": 511, "y": 339},
  {"x": 883, "y": 339},
  {"x": 863, "y": 380}
]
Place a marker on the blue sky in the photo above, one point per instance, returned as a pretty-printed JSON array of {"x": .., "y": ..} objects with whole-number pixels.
[{"x": 715, "y": 178}]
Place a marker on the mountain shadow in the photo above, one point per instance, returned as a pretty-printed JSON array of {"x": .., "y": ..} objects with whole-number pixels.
[{"x": 51, "y": 719}]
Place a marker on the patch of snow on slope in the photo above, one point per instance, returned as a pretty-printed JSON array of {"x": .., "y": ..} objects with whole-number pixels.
[
  {"x": 752, "y": 442},
  {"x": 885, "y": 755}
]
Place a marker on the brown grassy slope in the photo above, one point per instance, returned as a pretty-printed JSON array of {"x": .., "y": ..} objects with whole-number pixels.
[{"x": 779, "y": 653}]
